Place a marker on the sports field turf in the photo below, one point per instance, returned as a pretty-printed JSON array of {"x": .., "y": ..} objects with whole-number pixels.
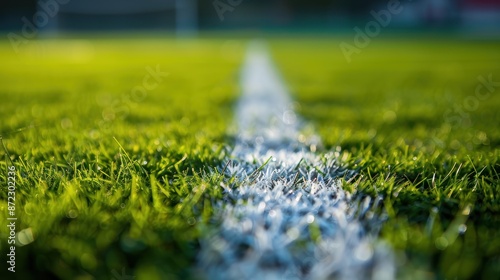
[
  {"x": 437, "y": 170},
  {"x": 112, "y": 180}
]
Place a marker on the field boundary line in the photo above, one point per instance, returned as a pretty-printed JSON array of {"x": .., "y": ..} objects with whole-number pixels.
[{"x": 285, "y": 214}]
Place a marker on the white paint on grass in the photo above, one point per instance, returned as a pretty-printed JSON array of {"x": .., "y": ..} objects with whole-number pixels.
[{"x": 285, "y": 215}]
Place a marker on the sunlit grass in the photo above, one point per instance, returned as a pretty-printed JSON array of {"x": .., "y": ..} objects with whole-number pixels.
[
  {"x": 438, "y": 171},
  {"x": 108, "y": 181},
  {"x": 107, "y": 178}
]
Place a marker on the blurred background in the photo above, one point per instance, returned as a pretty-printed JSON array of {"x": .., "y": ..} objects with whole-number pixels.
[{"x": 187, "y": 17}]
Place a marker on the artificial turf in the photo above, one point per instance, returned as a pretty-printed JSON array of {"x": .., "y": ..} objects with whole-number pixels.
[{"x": 408, "y": 116}]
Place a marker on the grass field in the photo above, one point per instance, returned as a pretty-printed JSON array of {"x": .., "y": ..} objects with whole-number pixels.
[
  {"x": 110, "y": 178},
  {"x": 115, "y": 171},
  {"x": 438, "y": 170}
]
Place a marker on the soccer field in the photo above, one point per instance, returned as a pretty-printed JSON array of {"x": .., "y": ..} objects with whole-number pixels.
[
  {"x": 119, "y": 148},
  {"x": 110, "y": 164},
  {"x": 415, "y": 117}
]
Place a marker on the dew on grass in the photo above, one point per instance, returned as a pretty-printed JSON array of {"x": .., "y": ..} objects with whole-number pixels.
[
  {"x": 462, "y": 229},
  {"x": 293, "y": 233},
  {"x": 25, "y": 236},
  {"x": 364, "y": 252},
  {"x": 72, "y": 214},
  {"x": 302, "y": 138},
  {"x": 310, "y": 219},
  {"x": 191, "y": 221},
  {"x": 272, "y": 213}
]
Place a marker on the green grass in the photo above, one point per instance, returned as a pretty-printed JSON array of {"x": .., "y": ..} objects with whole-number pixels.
[
  {"x": 387, "y": 111},
  {"x": 107, "y": 180}
]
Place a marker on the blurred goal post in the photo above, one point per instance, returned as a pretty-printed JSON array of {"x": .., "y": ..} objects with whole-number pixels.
[{"x": 186, "y": 11}]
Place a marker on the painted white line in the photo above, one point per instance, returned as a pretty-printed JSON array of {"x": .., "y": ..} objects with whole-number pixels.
[{"x": 285, "y": 215}]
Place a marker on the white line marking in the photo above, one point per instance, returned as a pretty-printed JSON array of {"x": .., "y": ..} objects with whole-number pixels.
[{"x": 286, "y": 215}]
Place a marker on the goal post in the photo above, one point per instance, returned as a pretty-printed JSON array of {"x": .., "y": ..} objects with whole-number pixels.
[{"x": 186, "y": 11}]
